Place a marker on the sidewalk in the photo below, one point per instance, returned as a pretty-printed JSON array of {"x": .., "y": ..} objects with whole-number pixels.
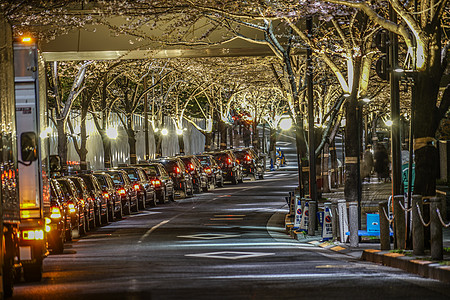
[{"x": 369, "y": 247}]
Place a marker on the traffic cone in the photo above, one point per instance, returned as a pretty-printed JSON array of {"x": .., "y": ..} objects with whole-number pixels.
[
  {"x": 305, "y": 218},
  {"x": 327, "y": 227},
  {"x": 298, "y": 212}
]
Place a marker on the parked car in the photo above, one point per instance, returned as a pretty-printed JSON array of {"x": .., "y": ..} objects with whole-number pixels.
[
  {"x": 75, "y": 208},
  {"x": 230, "y": 168},
  {"x": 252, "y": 164},
  {"x": 212, "y": 170},
  {"x": 56, "y": 231},
  {"x": 161, "y": 181},
  {"x": 195, "y": 169},
  {"x": 128, "y": 195},
  {"x": 144, "y": 188},
  {"x": 101, "y": 205},
  {"x": 181, "y": 179},
  {"x": 89, "y": 205},
  {"x": 111, "y": 195}
]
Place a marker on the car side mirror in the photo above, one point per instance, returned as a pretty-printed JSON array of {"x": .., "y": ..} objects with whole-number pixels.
[{"x": 28, "y": 145}]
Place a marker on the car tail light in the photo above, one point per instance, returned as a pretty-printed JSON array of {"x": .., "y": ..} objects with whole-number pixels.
[
  {"x": 208, "y": 170},
  {"x": 71, "y": 207},
  {"x": 247, "y": 157},
  {"x": 33, "y": 234},
  {"x": 136, "y": 187},
  {"x": 229, "y": 161},
  {"x": 55, "y": 212},
  {"x": 156, "y": 182},
  {"x": 191, "y": 167},
  {"x": 177, "y": 170},
  {"x": 105, "y": 195},
  {"x": 121, "y": 192},
  {"x": 237, "y": 161}
]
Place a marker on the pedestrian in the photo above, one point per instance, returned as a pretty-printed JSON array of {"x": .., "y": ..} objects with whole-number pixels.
[
  {"x": 367, "y": 164},
  {"x": 381, "y": 166}
]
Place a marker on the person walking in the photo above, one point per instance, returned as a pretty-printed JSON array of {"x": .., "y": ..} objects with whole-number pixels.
[{"x": 381, "y": 166}]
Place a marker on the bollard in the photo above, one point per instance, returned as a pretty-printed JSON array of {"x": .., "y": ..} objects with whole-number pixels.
[
  {"x": 343, "y": 220},
  {"x": 417, "y": 226},
  {"x": 312, "y": 217},
  {"x": 399, "y": 223},
  {"x": 385, "y": 239},
  {"x": 334, "y": 219},
  {"x": 437, "y": 247},
  {"x": 353, "y": 223},
  {"x": 327, "y": 223}
]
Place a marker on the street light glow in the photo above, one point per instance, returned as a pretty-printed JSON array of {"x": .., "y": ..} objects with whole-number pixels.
[
  {"x": 179, "y": 131},
  {"x": 366, "y": 99},
  {"x": 112, "y": 132},
  {"x": 388, "y": 123},
  {"x": 285, "y": 123},
  {"x": 164, "y": 131}
]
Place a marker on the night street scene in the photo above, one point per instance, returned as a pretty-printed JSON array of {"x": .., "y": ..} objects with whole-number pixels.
[{"x": 226, "y": 150}]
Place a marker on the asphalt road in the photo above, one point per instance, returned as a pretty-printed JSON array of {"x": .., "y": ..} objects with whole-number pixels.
[{"x": 225, "y": 244}]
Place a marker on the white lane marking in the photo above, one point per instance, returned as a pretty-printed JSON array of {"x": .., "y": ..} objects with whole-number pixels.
[
  {"x": 152, "y": 229},
  {"x": 230, "y": 255},
  {"x": 209, "y": 236}
]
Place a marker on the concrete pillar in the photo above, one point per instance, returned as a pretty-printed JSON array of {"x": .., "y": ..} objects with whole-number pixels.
[
  {"x": 312, "y": 217},
  {"x": 335, "y": 219},
  {"x": 353, "y": 223},
  {"x": 385, "y": 239},
  {"x": 437, "y": 250},
  {"x": 417, "y": 226},
  {"x": 343, "y": 220},
  {"x": 399, "y": 223}
]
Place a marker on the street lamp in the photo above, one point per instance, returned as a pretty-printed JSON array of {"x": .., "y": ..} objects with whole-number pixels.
[
  {"x": 164, "y": 131},
  {"x": 112, "y": 133},
  {"x": 285, "y": 123}
]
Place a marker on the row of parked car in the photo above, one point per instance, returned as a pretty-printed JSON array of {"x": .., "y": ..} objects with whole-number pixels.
[{"x": 82, "y": 201}]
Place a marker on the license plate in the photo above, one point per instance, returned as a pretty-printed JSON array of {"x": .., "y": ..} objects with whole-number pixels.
[{"x": 25, "y": 253}]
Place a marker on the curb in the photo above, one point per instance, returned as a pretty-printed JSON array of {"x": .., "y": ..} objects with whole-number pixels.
[{"x": 414, "y": 265}]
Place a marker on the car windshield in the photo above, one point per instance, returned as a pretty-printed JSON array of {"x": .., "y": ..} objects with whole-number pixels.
[
  {"x": 116, "y": 178},
  {"x": 65, "y": 187},
  {"x": 132, "y": 174},
  {"x": 240, "y": 155},
  {"x": 101, "y": 179},
  {"x": 152, "y": 169},
  {"x": 221, "y": 157},
  {"x": 89, "y": 183}
]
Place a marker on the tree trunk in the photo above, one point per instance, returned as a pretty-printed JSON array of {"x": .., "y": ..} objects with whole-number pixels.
[
  {"x": 334, "y": 165},
  {"x": 181, "y": 143},
  {"x": 256, "y": 142},
  {"x": 131, "y": 140},
  {"x": 351, "y": 150},
  {"x": 62, "y": 141},
  {"x": 325, "y": 169},
  {"x": 302, "y": 155},
  {"x": 223, "y": 135},
  {"x": 425, "y": 125},
  {"x": 158, "y": 143},
  {"x": 208, "y": 140},
  {"x": 82, "y": 153}
]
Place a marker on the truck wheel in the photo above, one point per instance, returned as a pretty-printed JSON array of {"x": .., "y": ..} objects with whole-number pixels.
[
  {"x": 261, "y": 176},
  {"x": 33, "y": 272}
]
